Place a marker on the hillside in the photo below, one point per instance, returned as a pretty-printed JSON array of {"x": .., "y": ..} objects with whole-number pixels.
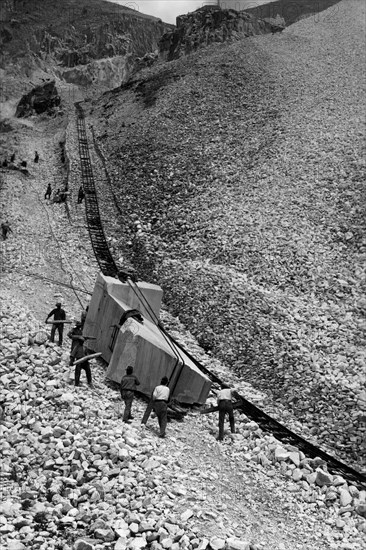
[
  {"x": 87, "y": 43},
  {"x": 243, "y": 165},
  {"x": 234, "y": 179}
]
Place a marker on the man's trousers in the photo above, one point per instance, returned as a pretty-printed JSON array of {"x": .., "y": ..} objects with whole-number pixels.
[
  {"x": 161, "y": 410},
  {"x": 225, "y": 407}
]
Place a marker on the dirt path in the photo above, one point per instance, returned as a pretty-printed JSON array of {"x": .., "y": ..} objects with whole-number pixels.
[{"x": 44, "y": 241}]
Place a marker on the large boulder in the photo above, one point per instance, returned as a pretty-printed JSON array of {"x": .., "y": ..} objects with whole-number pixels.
[{"x": 42, "y": 99}]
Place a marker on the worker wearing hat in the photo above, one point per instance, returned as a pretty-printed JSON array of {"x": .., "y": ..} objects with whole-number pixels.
[{"x": 58, "y": 315}]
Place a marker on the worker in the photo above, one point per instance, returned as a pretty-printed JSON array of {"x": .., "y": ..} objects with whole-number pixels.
[
  {"x": 84, "y": 313},
  {"x": 160, "y": 400},
  {"x": 76, "y": 334},
  {"x": 12, "y": 158},
  {"x": 58, "y": 315},
  {"x": 5, "y": 229},
  {"x": 225, "y": 403},
  {"x": 128, "y": 387},
  {"x": 36, "y": 157},
  {"x": 79, "y": 352},
  {"x": 63, "y": 195},
  {"x": 81, "y": 194},
  {"x": 48, "y": 192}
]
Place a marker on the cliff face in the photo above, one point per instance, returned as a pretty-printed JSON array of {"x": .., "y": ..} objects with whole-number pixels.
[
  {"x": 89, "y": 41},
  {"x": 210, "y": 24},
  {"x": 109, "y": 73}
]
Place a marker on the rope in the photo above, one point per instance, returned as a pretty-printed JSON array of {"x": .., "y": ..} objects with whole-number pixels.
[
  {"x": 59, "y": 283},
  {"x": 148, "y": 306}
]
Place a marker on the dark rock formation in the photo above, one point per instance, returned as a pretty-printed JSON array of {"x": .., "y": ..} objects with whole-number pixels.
[
  {"x": 42, "y": 99},
  {"x": 207, "y": 25},
  {"x": 5, "y": 35}
]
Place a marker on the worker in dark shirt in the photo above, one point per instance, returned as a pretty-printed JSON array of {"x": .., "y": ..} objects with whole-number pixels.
[
  {"x": 81, "y": 194},
  {"x": 58, "y": 315},
  {"x": 84, "y": 313},
  {"x": 78, "y": 352},
  {"x": 76, "y": 335},
  {"x": 128, "y": 387},
  {"x": 5, "y": 229},
  {"x": 48, "y": 192}
]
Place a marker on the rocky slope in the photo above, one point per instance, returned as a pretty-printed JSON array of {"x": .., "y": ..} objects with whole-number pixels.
[
  {"x": 73, "y": 476},
  {"x": 239, "y": 174}
]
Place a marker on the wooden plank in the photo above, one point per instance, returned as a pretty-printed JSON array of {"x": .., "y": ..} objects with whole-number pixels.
[
  {"x": 59, "y": 322},
  {"x": 148, "y": 412},
  {"x": 209, "y": 410},
  {"x": 87, "y": 357}
]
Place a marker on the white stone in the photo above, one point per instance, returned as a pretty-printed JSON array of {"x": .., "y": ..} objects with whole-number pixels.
[
  {"x": 137, "y": 543},
  {"x": 67, "y": 397},
  {"x": 281, "y": 454},
  {"x": 344, "y": 497},
  {"x": 216, "y": 543},
  {"x": 186, "y": 515},
  {"x": 236, "y": 544}
]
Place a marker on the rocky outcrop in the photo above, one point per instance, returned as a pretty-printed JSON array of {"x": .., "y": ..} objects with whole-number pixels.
[
  {"x": 56, "y": 38},
  {"x": 211, "y": 24},
  {"x": 125, "y": 36},
  {"x": 110, "y": 72},
  {"x": 42, "y": 99}
]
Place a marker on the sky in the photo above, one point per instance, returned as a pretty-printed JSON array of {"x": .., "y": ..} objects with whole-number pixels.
[{"x": 167, "y": 10}]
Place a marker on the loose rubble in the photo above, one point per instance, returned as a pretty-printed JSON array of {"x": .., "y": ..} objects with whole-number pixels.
[{"x": 74, "y": 476}]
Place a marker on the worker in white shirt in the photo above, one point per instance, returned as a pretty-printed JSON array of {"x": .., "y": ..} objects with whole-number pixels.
[
  {"x": 225, "y": 403},
  {"x": 161, "y": 398}
]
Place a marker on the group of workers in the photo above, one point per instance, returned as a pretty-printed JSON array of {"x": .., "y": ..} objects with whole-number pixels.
[
  {"x": 129, "y": 383},
  {"x": 23, "y": 164},
  {"x": 60, "y": 195},
  {"x": 160, "y": 398},
  {"x": 78, "y": 351}
]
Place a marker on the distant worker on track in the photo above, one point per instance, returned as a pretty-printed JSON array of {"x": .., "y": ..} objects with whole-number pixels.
[
  {"x": 81, "y": 194},
  {"x": 58, "y": 315},
  {"x": 36, "y": 157},
  {"x": 128, "y": 387},
  {"x": 5, "y": 229},
  {"x": 160, "y": 397},
  {"x": 225, "y": 403},
  {"x": 57, "y": 196},
  {"x": 48, "y": 192}
]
